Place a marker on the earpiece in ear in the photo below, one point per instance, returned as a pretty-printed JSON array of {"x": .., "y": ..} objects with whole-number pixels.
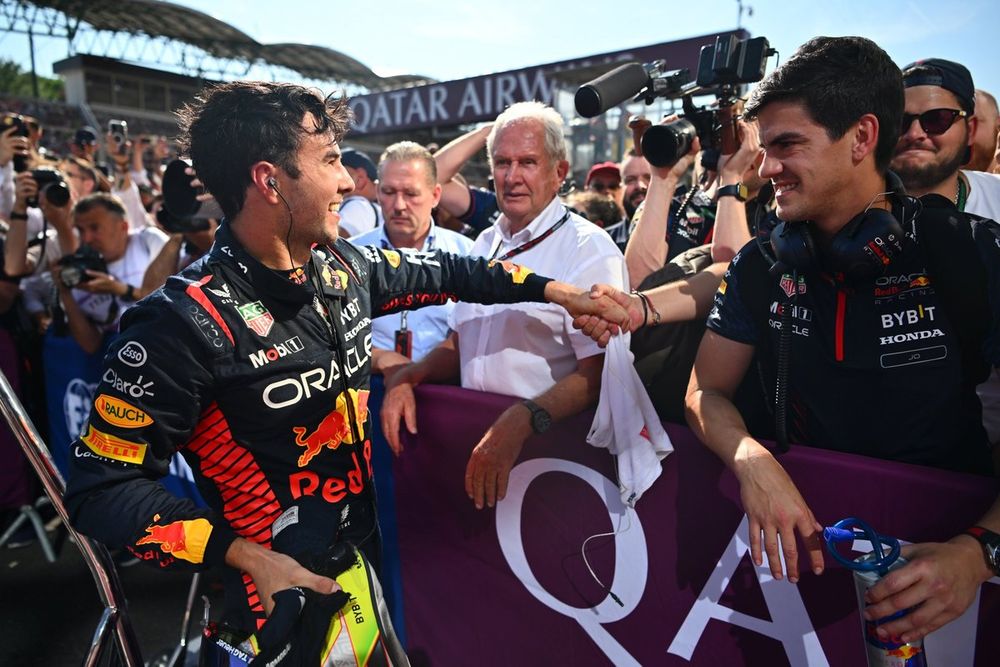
[{"x": 273, "y": 182}]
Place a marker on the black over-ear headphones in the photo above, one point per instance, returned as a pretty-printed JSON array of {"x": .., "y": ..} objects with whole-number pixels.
[{"x": 861, "y": 250}]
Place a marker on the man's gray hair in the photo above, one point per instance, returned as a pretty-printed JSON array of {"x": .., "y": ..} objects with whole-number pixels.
[
  {"x": 404, "y": 151},
  {"x": 552, "y": 124}
]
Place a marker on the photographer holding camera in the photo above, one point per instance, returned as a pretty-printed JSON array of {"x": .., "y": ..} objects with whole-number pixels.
[{"x": 104, "y": 277}]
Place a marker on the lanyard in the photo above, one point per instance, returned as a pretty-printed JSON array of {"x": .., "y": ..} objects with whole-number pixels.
[
  {"x": 528, "y": 245},
  {"x": 962, "y": 195},
  {"x": 387, "y": 245}
]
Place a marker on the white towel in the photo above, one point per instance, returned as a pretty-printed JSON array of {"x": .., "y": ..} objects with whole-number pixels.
[{"x": 627, "y": 424}]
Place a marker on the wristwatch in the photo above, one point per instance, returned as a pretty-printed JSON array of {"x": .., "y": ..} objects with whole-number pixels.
[
  {"x": 129, "y": 294},
  {"x": 991, "y": 546},
  {"x": 541, "y": 420},
  {"x": 738, "y": 190}
]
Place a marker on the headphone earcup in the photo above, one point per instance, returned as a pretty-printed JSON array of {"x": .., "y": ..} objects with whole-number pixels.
[
  {"x": 866, "y": 245},
  {"x": 793, "y": 246}
]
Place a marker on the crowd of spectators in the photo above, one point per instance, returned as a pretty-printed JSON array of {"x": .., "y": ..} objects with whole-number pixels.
[
  {"x": 84, "y": 241},
  {"x": 81, "y": 243}
]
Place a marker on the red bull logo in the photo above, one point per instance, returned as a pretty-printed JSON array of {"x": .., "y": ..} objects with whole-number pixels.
[
  {"x": 517, "y": 272},
  {"x": 335, "y": 428},
  {"x": 906, "y": 651},
  {"x": 920, "y": 281},
  {"x": 182, "y": 539},
  {"x": 392, "y": 257}
]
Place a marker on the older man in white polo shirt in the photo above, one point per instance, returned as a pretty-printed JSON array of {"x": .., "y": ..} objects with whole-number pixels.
[{"x": 530, "y": 351}]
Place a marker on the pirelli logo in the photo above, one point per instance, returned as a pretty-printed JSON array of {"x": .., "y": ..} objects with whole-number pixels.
[
  {"x": 111, "y": 447},
  {"x": 119, "y": 413}
]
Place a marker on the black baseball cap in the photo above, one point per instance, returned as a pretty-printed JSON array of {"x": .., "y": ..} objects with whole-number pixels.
[
  {"x": 84, "y": 136},
  {"x": 944, "y": 74},
  {"x": 357, "y": 160}
]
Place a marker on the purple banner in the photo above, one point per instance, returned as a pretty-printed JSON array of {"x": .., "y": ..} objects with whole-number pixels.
[
  {"x": 484, "y": 97},
  {"x": 509, "y": 586}
]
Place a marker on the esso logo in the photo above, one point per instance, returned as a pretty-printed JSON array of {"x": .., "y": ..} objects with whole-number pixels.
[{"x": 133, "y": 354}]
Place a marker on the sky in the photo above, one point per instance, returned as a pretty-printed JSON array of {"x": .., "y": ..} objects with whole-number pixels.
[{"x": 448, "y": 39}]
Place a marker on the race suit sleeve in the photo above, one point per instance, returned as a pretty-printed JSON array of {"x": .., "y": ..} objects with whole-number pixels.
[
  {"x": 730, "y": 317},
  {"x": 403, "y": 280},
  {"x": 153, "y": 387}
]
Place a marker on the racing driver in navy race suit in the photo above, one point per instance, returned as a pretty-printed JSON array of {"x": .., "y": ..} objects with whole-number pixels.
[{"x": 254, "y": 362}]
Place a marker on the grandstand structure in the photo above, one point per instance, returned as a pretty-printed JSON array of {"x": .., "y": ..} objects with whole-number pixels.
[{"x": 140, "y": 60}]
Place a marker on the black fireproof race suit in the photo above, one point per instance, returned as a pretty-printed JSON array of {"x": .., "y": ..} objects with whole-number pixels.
[{"x": 239, "y": 369}]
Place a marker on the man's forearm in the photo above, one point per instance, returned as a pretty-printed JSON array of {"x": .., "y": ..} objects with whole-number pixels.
[
  {"x": 687, "y": 299},
  {"x": 719, "y": 425},
  {"x": 647, "y": 247},
  {"x": 731, "y": 230},
  {"x": 452, "y": 156},
  {"x": 440, "y": 366},
  {"x": 86, "y": 334},
  {"x": 576, "y": 392},
  {"x": 15, "y": 249},
  {"x": 163, "y": 265}
]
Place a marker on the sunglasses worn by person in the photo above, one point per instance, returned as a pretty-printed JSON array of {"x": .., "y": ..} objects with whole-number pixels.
[
  {"x": 601, "y": 187},
  {"x": 933, "y": 121}
]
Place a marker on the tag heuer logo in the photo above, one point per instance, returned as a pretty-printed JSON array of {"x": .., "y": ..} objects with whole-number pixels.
[{"x": 257, "y": 317}]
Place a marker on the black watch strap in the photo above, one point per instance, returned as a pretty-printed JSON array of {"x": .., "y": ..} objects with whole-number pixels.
[
  {"x": 738, "y": 190},
  {"x": 129, "y": 293},
  {"x": 540, "y": 417},
  {"x": 991, "y": 546}
]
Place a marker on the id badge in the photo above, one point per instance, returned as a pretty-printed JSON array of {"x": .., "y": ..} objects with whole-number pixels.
[{"x": 404, "y": 342}]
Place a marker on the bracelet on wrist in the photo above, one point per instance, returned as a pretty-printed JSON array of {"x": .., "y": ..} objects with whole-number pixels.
[
  {"x": 15, "y": 215},
  {"x": 645, "y": 310},
  {"x": 647, "y": 303}
]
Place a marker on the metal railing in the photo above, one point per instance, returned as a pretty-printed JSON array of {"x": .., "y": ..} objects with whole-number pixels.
[{"x": 114, "y": 625}]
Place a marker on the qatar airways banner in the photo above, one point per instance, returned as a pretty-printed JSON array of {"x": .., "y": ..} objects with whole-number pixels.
[
  {"x": 508, "y": 586},
  {"x": 484, "y": 97}
]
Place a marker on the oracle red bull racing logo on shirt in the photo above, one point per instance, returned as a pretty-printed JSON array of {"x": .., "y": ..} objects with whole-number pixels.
[
  {"x": 257, "y": 317},
  {"x": 182, "y": 539},
  {"x": 334, "y": 428}
]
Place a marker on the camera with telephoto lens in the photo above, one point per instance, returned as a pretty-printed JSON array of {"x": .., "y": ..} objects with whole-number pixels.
[
  {"x": 73, "y": 268},
  {"x": 17, "y": 121},
  {"x": 52, "y": 185},
  {"x": 723, "y": 68}
]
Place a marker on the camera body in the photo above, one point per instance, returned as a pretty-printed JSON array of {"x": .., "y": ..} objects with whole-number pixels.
[
  {"x": 73, "y": 268},
  {"x": 723, "y": 67},
  {"x": 173, "y": 224},
  {"x": 51, "y": 183},
  {"x": 118, "y": 129},
  {"x": 17, "y": 121}
]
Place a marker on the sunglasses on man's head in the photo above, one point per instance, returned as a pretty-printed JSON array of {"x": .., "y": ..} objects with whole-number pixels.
[{"x": 934, "y": 121}]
